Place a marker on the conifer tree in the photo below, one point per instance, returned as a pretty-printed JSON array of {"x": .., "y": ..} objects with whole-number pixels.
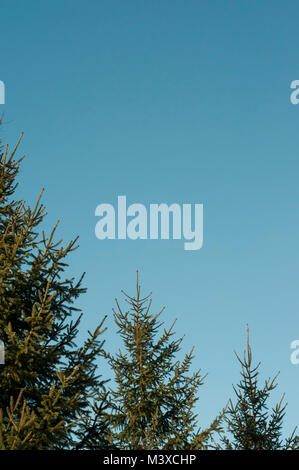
[
  {"x": 47, "y": 383},
  {"x": 250, "y": 423},
  {"x": 154, "y": 398}
]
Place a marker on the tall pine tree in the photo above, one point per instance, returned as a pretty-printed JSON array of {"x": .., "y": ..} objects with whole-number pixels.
[
  {"x": 48, "y": 383},
  {"x": 154, "y": 398},
  {"x": 250, "y": 423}
]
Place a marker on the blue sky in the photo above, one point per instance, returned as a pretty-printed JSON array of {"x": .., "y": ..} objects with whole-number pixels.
[{"x": 170, "y": 101}]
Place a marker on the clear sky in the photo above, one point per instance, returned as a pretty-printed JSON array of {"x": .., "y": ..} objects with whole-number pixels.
[{"x": 170, "y": 101}]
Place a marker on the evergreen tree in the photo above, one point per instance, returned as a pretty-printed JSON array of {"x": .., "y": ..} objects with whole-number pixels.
[
  {"x": 154, "y": 396},
  {"x": 48, "y": 383},
  {"x": 250, "y": 424}
]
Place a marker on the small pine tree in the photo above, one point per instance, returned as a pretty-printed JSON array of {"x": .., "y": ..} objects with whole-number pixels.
[
  {"x": 154, "y": 397},
  {"x": 249, "y": 423},
  {"x": 47, "y": 382}
]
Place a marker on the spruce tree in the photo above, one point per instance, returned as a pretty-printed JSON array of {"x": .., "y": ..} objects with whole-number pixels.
[
  {"x": 48, "y": 383},
  {"x": 250, "y": 423},
  {"x": 154, "y": 398}
]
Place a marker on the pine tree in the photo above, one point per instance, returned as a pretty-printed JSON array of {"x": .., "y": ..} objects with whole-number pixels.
[
  {"x": 154, "y": 396},
  {"x": 48, "y": 383},
  {"x": 250, "y": 424}
]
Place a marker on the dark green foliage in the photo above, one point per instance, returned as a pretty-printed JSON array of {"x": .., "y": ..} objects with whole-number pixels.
[
  {"x": 154, "y": 397},
  {"x": 46, "y": 380},
  {"x": 249, "y": 422}
]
